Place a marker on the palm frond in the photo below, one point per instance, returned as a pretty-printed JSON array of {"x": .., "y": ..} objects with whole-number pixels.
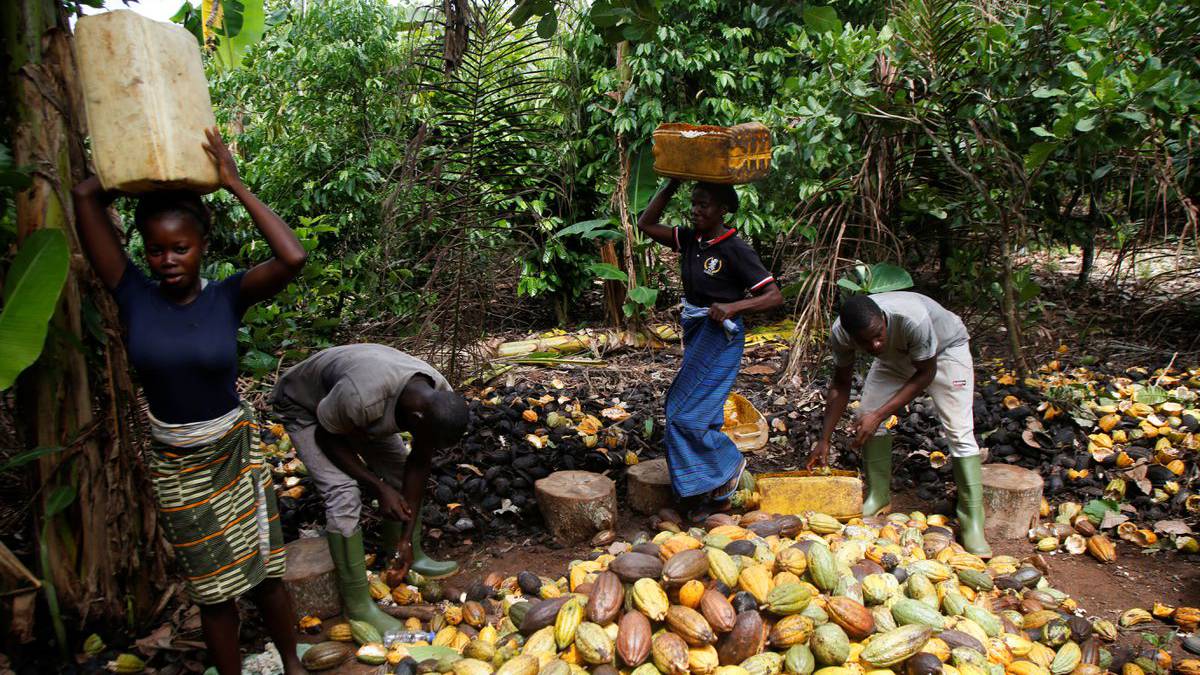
[{"x": 478, "y": 155}]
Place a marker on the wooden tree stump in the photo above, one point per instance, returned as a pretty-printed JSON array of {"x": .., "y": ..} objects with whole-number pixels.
[
  {"x": 649, "y": 486},
  {"x": 1012, "y": 497},
  {"x": 577, "y": 504},
  {"x": 311, "y": 579}
]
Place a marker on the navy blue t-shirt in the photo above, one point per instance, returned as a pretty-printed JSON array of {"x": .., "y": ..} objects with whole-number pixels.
[{"x": 186, "y": 356}]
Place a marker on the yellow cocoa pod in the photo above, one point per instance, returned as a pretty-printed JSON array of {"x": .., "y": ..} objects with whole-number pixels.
[
  {"x": 341, "y": 632},
  {"x": 938, "y": 648},
  {"x": 722, "y": 567},
  {"x": 732, "y": 531},
  {"x": 650, "y": 599},
  {"x": 1040, "y": 654},
  {"x": 783, "y": 578},
  {"x": 792, "y": 560},
  {"x": 690, "y": 593},
  {"x": 1025, "y": 668},
  {"x": 378, "y": 589},
  {"x": 1188, "y": 667},
  {"x": 570, "y": 615},
  {"x": 677, "y": 543},
  {"x": 541, "y": 642},
  {"x": 1019, "y": 645},
  {"x": 703, "y": 660},
  {"x": 1134, "y": 617},
  {"x": 755, "y": 580},
  {"x": 445, "y": 637}
]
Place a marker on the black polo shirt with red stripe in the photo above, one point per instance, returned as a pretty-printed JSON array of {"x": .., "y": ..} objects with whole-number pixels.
[{"x": 721, "y": 269}]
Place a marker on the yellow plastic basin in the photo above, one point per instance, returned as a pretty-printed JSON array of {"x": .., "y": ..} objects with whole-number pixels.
[{"x": 836, "y": 493}]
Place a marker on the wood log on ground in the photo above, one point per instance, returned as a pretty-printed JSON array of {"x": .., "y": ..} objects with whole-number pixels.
[
  {"x": 311, "y": 579},
  {"x": 422, "y": 612},
  {"x": 577, "y": 504},
  {"x": 1011, "y": 500},
  {"x": 648, "y": 486}
]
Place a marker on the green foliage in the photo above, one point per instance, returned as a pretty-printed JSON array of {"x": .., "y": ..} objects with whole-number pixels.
[
  {"x": 31, "y": 290},
  {"x": 927, "y": 121},
  {"x": 323, "y": 130},
  {"x": 614, "y": 20},
  {"x": 877, "y": 278}
]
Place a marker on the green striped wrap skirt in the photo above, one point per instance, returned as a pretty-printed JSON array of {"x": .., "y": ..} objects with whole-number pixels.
[{"x": 217, "y": 508}]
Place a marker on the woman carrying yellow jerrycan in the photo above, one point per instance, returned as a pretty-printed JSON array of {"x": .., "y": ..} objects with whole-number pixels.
[{"x": 723, "y": 279}]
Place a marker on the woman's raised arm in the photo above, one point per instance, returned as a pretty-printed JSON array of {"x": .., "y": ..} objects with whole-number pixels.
[{"x": 266, "y": 279}]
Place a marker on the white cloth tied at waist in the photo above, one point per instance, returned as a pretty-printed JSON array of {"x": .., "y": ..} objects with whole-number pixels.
[
  {"x": 193, "y": 434},
  {"x": 691, "y": 311}
]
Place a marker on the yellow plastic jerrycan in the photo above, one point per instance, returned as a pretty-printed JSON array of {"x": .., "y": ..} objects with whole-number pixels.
[
  {"x": 147, "y": 103},
  {"x": 731, "y": 155}
]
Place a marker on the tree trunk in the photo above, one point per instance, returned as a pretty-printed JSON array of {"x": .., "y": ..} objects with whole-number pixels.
[
  {"x": 106, "y": 552},
  {"x": 1088, "y": 243},
  {"x": 1012, "y": 319},
  {"x": 615, "y": 291}
]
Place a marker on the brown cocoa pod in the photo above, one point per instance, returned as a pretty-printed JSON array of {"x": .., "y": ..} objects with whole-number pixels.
[
  {"x": 1081, "y": 628},
  {"x": 865, "y": 568},
  {"x": 647, "y": 548},
  {"x": 717, "y": 520},
  {"x": 790, "y": 526},
  {"x": 923, "y": 663},
  {"x": 633, "y": 566},
  {"x": 745, "y": 640},
  {"x": 717, "y": 611},
  {"x": 855, "y": 619},
  {"x": 542, "y": 614},
  {"x": 766, "y": 528},
  {"x": 751, "y": 517},
  {"x": 955, "y": 639},
  {"x": 606, "y": 598},
  {"x": 1090, "y": 652},
  {"x": 474, "y": 614},
  {"x": 1029, "y": 605},
  {"x": 690, "y": 625},
  {"x": 633, "y": 639},
  {"x": 671, "y": 516},
  {"x": 683, "y": 567},
  {"x": 670, "y": 654}
]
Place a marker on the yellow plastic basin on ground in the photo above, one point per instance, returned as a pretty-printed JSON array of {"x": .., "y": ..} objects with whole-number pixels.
[
  {"x": 744, "y": 424},
  {"x": 836, "y": 493}
]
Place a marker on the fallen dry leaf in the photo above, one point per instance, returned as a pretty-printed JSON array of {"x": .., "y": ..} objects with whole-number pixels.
[
  {"x": 615, "y": 413},
  {"x": 1112, "y": 519},
  {"x": 760, "y": 369},
  {"x": 1172, "y": 527}
]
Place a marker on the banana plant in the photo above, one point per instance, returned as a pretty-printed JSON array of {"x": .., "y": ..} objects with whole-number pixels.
[
  {"x": 31, "y": 290},
  {"x": 227, "y": 28}
]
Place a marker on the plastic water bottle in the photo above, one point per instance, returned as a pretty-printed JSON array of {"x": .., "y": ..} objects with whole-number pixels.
[{"x": 407, "y": 636}]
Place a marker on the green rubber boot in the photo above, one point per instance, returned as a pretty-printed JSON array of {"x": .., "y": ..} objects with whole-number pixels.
[
  {"x": 347, "y": 553},
  {"x": 969, "y": 478},
  {"x": 877, "y": 465},
  {"x": 421, "y": 564}
]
